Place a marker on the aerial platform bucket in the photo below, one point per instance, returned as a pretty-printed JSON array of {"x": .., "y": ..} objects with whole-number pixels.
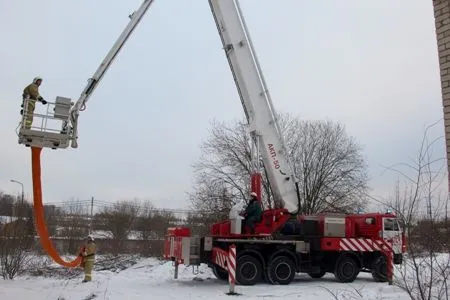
[{"x": 47, "y": 128}]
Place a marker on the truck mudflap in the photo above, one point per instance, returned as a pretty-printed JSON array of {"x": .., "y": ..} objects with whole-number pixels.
[{"x": 219, "y": 257}]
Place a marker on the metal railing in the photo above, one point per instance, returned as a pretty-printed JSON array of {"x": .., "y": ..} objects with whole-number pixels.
[
  {"x": 51, "y": 120},
  {"x": 47, "y": 128}
]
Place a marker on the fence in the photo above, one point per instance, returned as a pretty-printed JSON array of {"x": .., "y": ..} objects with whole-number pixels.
[{"x": 153, "y": 248}]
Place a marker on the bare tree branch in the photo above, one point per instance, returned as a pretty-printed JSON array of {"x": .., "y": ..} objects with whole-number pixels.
[{"x": 329, "y": 165}]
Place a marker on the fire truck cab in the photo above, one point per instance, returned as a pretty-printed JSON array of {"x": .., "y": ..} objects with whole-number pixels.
[{"x": 385, "y": 226}]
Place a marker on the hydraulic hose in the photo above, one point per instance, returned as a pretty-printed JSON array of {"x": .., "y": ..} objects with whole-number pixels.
[{"x": 40, "y": 225}]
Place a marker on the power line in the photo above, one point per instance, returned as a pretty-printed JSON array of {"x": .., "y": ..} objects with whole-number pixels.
[{"x": 105, "y": 204}]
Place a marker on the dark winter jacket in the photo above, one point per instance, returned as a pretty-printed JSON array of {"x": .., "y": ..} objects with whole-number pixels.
[{"x": 253, "y": 209}]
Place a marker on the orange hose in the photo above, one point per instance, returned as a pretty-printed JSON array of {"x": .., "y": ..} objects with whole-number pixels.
[{"x": 41, "y": 227}]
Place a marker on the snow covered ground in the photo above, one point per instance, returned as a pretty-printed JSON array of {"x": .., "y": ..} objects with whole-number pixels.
[{"x": 152, "y": 279}]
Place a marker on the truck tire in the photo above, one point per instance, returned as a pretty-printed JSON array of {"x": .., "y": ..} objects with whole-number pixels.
[
  {"x": 220, "y": 273},
  {"x": 281, "y": 270},
  {"x": 347, "y": 269},
  {"x": 248, "y": 270},
  {"x": 379, "y": 269}
]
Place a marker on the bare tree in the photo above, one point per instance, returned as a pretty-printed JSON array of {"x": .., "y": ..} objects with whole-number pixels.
[
  {"x": 6, "y": 204},
  {"x": 425, "y": 273},
  {"x": 119, "y": 220},
  {"x": 16, "y": 244},
  {"x": 212, "y": 199},
  {"x": 212, "y": 203},
  {"x": 73, "y": 221},
  {"x": 161, "y": 220},
  {"x": 328, "y": 163},
  {"x": 225, "y": 163},
  {"x": 144, "y": 223},
  {"x": 152, "y": 223}
]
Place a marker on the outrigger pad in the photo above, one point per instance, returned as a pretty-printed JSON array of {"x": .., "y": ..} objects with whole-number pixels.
[{"x": 42, "y": 139}]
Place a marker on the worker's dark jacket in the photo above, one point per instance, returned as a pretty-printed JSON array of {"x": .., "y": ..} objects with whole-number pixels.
[{"x": 253, "y": 211}]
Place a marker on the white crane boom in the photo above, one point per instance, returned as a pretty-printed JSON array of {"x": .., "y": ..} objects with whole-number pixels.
[
  {"x": 256, "y": 101},
  {"x": 250, "y": 84},
  {"x": 80, "y": 105}
]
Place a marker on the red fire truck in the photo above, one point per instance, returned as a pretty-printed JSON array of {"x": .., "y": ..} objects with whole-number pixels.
[
  {"x": 284, "y": 242},
  {"x": 344, "y": 245}
]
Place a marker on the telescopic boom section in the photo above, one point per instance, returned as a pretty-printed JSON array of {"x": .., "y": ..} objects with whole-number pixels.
[
  {"x": 256, "y": 100},
  {"x": 80, "y": 105}
]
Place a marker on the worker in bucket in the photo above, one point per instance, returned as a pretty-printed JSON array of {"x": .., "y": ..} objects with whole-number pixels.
[
  {"x": 29, "y": 97},
  {"x": 87, "y": 254},
  {"x": 253, "y": 213}
]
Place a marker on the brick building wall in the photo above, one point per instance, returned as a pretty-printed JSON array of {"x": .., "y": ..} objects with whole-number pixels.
[{"x": 442, "y": 23}]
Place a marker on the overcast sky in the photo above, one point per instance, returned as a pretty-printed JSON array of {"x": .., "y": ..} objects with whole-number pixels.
[{"x": 371, "y": 65}]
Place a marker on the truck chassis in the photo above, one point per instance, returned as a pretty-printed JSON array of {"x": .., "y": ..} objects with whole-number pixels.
[{"x": 276, "y": 258}]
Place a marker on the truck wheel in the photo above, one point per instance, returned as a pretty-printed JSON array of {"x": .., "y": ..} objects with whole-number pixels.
[
  {"x": 319, "y": 274},
  {"x": 281, "y": 270},
  {"x": 220, "y": 273},
  {"x": 379, "y": 269},
  {"x": 346, "y": 269},
  {"x": 248, "y": 270}
]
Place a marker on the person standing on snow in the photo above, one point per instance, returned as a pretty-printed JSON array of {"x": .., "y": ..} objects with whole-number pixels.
[
  {"x": 88, "y": 257},
  {"x": 29, "y": 96}
]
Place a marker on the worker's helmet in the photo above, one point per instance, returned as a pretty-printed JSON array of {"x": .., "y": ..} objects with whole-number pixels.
[
  {"x": 89, "y": 238},
  {"x": 35, "y": 79},
  {"x": 253, "y": 194}
]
